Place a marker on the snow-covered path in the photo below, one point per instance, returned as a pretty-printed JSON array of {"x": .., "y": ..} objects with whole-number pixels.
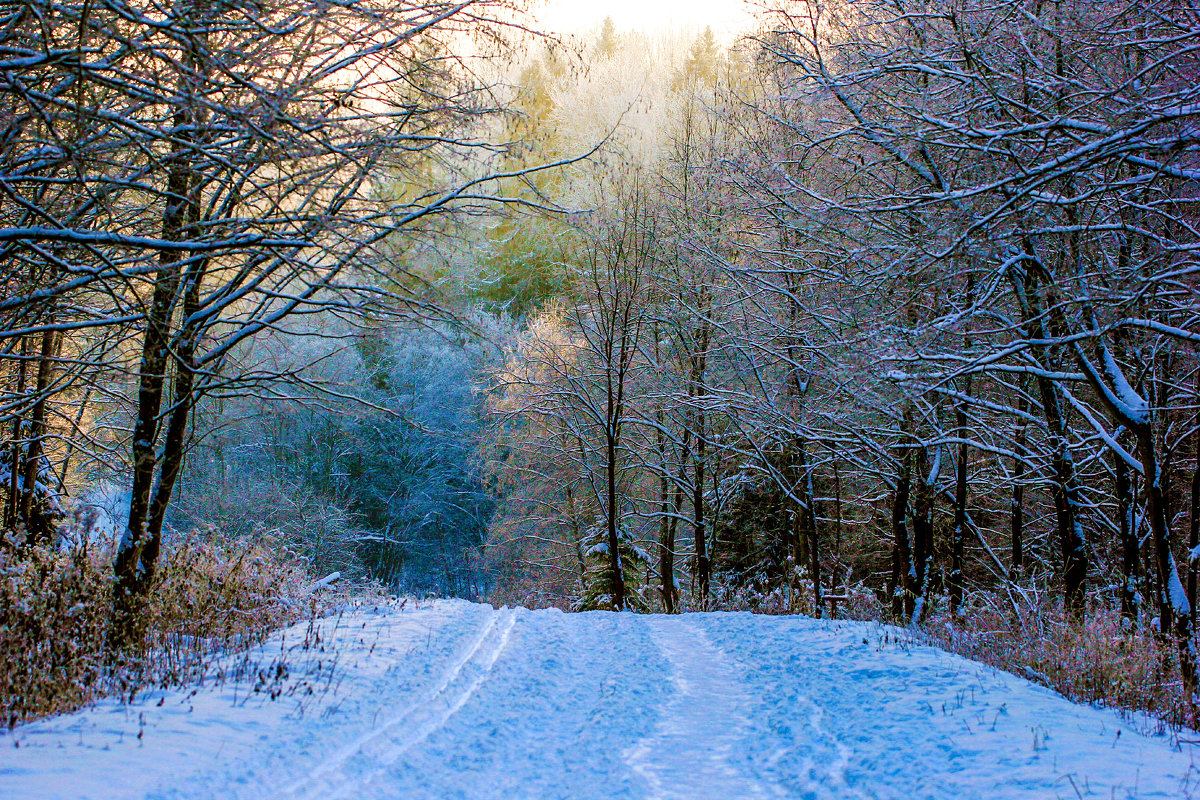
[
  {"x": 454, "y": 700},
  {"x": 703, "y": 726}
]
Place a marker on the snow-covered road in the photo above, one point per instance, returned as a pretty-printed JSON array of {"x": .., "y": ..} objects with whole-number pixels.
[{"x": 455, "y": 700}]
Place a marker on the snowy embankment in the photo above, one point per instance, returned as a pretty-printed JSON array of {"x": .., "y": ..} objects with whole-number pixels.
[{"x": 453, "y": 700}]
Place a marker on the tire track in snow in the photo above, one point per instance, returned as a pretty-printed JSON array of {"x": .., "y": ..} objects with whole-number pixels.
[
  {"x": 688, "y": 754},
  {"x": 375, "y": 751}
]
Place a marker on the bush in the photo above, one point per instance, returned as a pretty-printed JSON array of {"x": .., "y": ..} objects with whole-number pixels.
[
  {"x": 53, "y": 623},
  {"x": 214, "y": 595},
  {"x": 313, "y": 528},
  {"x": 1102, "y": 661},
  {"x": 761, "y": 595}
]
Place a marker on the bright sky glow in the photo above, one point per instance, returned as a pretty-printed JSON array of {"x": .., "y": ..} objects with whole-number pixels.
[{"x": 727, "y": 18}]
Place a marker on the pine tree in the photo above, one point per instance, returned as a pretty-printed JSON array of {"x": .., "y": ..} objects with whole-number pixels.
[{"x": 598, "y": 578}]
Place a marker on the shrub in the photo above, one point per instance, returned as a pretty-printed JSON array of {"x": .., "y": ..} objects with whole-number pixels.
[
  {"x": 761, "y": 595},
  {"x": 51, "y": 634},
  {"x": 214, "y": 595},
  {"x": 1102, "y": 661}
]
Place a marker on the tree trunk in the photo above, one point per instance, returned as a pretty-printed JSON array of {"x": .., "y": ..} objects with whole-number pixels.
[
  {"x": 173, "y": 449},
  {"x": 12, "y": 511},
  {"x": 1193, "y": 563},
  {"x": 703, "y": 564},
  {"x": 901, "y": 549},
  {"x": 1017, "y": 517},
  {"x": 1194, "y": 539},
  {"x": 1129, "y": 542},
  {"x": 922, "y": 558},
  {"x": 960, "y": 510},
  {"x": 1175, "y": 615},
  {"x": 36, "y": 519},
  {"x": 134, "y": 567},
  {"x": 808, "y": 510},
  {"x": 614, "y": 544},
  {"x": 666, "y": 531},
  {"x": 1065, "y": 489},
  {"x": 666, "y": 557},
  {"x": 960, "y": 477},
  {"x": 837, "y": 576},
  {"x": 1066, "y": 504}
]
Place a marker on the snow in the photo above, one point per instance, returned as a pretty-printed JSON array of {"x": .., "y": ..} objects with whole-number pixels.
[
  {"x": 103, "y": 511},
  {"x": 1133, "y": 406},
  {"x": 457, "y": 700},
  {"x": 705, "y": 686},
  {"x": 1175, "y": 590}
]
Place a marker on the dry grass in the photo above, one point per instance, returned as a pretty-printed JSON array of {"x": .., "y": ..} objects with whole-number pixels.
[
  {"x": 855, "y": 602},
  {"x": 1101, "y": 661},
  {"x": 215, "y": 596},
  {"x": 51, "y": 636}
]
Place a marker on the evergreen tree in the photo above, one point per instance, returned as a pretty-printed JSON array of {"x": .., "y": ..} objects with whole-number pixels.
[{"x": 598, "y": 577}]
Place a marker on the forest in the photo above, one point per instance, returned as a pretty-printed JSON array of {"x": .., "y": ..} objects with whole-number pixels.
[{"x": 885, "y": 309}]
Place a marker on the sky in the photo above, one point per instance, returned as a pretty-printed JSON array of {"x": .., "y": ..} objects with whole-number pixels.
[{"x": 727, "y": 18}]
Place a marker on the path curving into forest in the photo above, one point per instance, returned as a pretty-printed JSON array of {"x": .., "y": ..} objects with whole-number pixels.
[{"x": 456, "y": 700}]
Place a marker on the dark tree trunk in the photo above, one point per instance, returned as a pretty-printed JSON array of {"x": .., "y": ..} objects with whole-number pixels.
[
  {"x": 681, "y": 480},
  {"x": 12, "y": 510},
  {"x": 135, "y": 564},
  {"x": 1066, "y": 504},
  {"x": 35, "y": 517},
  {"x": 960, "y": 478},
  {"x": 666, "y": 530},
  {"x": 1175, "y": 617},
  {"x": 960, "y": 510},
  {"x": 173, "y": 449},
  {"x": 1129, "y": 541},
  {"x": 1194, "y": 538},
  {"x": 699, "y": 366},
  {"x": 703, "y": 563},
  {"x": 614, "y": 545},
  {"x": 1065, "y": 490},
  {"x": 1193, "y": 564},
  {"x": 1017, "y": 518},
  {"x": 673, "y": 528},
  {"x": 133, "y": 572},
  {"x": 837, "y": 528},
  {"x": 901, "y": 550},
  {"x": 808, "y": 510},
  {"x": 922, "y": 542},
  {"x": 666, "y": 562}
]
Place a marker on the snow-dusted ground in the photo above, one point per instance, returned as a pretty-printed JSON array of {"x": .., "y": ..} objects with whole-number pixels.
[{"x": 454, "y": 700}]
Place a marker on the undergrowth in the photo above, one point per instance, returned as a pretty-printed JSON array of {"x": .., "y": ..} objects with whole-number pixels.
[
  {"x": 1102, "y": 661},
  {"x": 214, "y": 596}
]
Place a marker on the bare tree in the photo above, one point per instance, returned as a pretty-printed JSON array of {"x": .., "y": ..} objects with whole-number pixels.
[{"x": 191, "y": 175}]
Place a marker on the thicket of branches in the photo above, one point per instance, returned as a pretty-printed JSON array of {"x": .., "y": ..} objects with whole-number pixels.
[
  {"x": 902, "y": 311},
  {"x": 179, "y": 181}
]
